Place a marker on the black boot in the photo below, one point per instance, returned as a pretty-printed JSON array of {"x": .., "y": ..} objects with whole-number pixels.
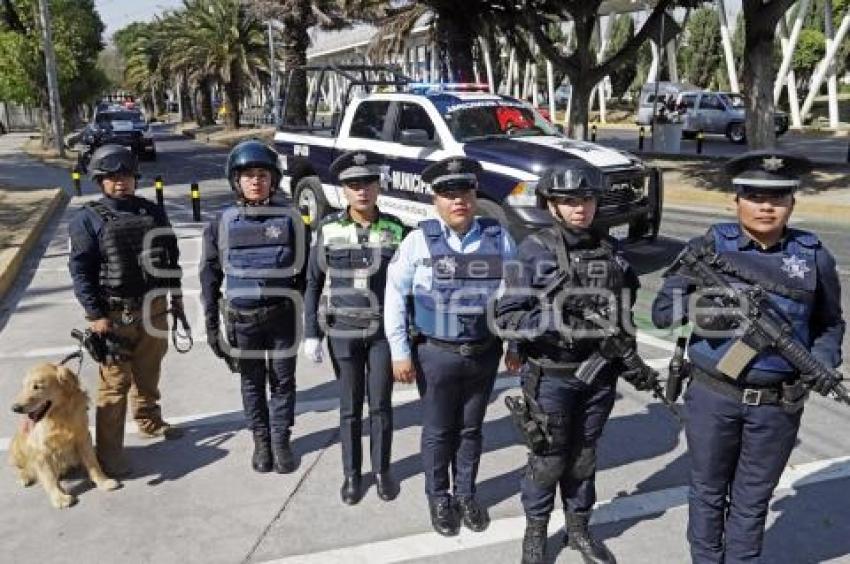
[
  {"x": 261, "y": 461},
  {"x": 534, "y": 541},
  {"x": 386, "y": 486},
  {"x": 284, "y": 460},
  {"x": 350, "y": 490},
  {"x": 580, "y": 539},
  {"x": 473, "y": 516},
  {"x": 444, "y": 516}
]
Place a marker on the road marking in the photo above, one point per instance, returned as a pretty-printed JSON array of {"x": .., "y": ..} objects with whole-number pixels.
[
  {"x": 400, "y": 397},
  {"x": 623, "y": 508}
]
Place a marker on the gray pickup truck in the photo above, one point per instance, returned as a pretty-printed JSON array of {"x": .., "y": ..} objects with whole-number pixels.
[{"x": 718, "y": 112}]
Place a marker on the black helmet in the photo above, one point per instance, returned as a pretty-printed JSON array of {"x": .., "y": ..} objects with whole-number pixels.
[
  {"x": 111, "y": 159},
  {"x": 572, "y": 179},
  {"x": 252, "y": 154}
]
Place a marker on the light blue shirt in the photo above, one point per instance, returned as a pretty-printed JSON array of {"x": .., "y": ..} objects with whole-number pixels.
[{"x": 408, "y": 269}]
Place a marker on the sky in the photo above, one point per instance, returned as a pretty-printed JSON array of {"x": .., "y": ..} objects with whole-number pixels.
[{"x": 118, "y": 13}]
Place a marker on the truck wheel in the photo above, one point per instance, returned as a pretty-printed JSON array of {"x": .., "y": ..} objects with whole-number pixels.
[
  {"x": 736, "y": 133},
  {"x": 309, "y": 196},
  {"x": 643, "y": 229}
]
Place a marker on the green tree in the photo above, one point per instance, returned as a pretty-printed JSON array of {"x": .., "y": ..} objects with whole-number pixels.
[
  {"x": 811, "y": 47},
  {"x": 623, "y": 76},
  {"x": 702, "y": 54},
  {"x": 77, "y": 33}
]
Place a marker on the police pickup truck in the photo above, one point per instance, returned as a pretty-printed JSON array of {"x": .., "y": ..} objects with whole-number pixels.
[{"x": 418, "y": 124}]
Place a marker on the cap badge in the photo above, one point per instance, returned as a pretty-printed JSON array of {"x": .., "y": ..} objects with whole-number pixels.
[
  {"x": 360, "y": 159},
  {"x": 772, "y": 164},
  {"x": 454, "y": 166}
]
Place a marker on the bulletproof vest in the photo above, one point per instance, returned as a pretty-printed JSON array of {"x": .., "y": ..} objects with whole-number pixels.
[
  {"x": 121, "y": 243},
  {"x": 588, "y": 268},
  {"x": 455, "y": 307},
  {"x": 790, "y": 279},
  {"x": 357, "y": 265},
  {"x": 258, "y": 252}
]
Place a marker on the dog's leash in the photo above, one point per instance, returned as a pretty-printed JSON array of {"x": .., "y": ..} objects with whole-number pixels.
[
  {"x": 183, "y": 333},
  {"x": 78, "y": 354}
]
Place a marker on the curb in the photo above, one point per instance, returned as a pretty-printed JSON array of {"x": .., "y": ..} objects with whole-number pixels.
[{"x": 12, "y": 259}]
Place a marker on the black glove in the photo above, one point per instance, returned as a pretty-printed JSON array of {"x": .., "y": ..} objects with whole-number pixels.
[
  {"x": 726, "y": 320},
  {"x": 213, "y": 340},
  {"x": 642, "y": 379},
  {"x": 823, "y": 383}
]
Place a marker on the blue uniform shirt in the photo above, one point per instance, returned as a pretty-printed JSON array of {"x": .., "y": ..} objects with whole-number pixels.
[
  {"x": 409, "y": 268},
  {"x": 826, "y": 325}
]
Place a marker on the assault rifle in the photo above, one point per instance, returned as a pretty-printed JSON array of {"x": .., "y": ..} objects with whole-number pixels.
[{"x": 764, "y": 326}]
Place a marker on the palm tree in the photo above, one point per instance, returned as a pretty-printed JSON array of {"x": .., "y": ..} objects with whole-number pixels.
[{"x": 225, "y": 42}]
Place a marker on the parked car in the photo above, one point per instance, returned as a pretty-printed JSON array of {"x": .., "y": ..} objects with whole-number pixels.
[
  {"x": 722, "y": 113},
  {"x": 507, "y": 136}
]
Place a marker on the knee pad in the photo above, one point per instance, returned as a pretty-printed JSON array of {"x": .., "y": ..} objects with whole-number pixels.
[
  {"x": 546, "y": 470},
  {"x": 584, "y": 464}
]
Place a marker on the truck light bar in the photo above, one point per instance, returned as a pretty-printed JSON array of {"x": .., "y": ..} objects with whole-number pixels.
[{"x": 422, "y": 87}]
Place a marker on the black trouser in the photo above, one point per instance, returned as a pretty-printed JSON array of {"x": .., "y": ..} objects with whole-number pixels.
[
  {"x": 269, "y": 339},
  {"x": 363, "y": 367},
  {"x": 455, "y": 391}
]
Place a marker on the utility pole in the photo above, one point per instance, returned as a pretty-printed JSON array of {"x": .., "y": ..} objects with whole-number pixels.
[
  {"x": 52, "y": 80},
  {"x": 273, "y": 73}
]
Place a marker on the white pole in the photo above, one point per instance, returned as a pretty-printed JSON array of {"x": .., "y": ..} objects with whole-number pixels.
[
  {"x": 488, "y": 64},
  {"x": 671, "y": 61},
  {"x": 652, "y": 75},
  {"x": 823, "y": 66},
  {"x": 534, "y": 54},
  {"x": 793, "y": 102},
  {"x": 52, "y": 77},
  {"x": 432, "y": 73},
  {"x": 603, "y": 44},
  {"x": 727, "y": 47},
  {"x": 517, "y": 85},
  {"x": 550, "y": 89},
  {"x": 788, "y": 56},
  {"x": 510, "y": 79},
  {"x": 832, "y": 80}
]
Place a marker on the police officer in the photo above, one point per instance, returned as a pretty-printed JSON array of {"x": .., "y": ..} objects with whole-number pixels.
[
  {"x": 113, "y": 269},
  {"x": 449, "y": 267},
  {"x": 741, "y": 431},
  {"x": 351, "y": 254},
  {"x": 573, "y": 267},
  {"x": 257, "y": 247}
]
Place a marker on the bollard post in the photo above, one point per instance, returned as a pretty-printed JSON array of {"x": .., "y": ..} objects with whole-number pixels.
[
  {"x": 700, "y": 137},
  {"x": 641, "y": 135},
  {"x": 196, "y": 202},
  {"x": 848, "y": 152},
  {"x": 593, "y": 133},
  {"x": 75, "y": 176},
  {"x": 158, "y": 185}
]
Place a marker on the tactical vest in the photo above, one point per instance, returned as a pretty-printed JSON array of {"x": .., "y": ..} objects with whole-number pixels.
[
  {"x": 455, "y": 307},
  {"x": 121, "y": 243},
  {"x": 790, "y": 280},
  {"x": 258, "y": 253},
  {"x": 588, "y": 270},
  {"x": 357, "y": 271}
]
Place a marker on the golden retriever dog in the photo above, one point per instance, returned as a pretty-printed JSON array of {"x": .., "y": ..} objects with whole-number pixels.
[{"x": 54, "y": 436}]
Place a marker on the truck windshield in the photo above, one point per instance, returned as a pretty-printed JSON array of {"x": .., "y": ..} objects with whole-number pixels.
[{"x": 485, "y": 119}]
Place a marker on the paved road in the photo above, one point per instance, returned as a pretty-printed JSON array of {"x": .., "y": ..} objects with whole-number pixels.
[
  {"x": 196, "y": 500},
  {"x": 820, "y": 148}
]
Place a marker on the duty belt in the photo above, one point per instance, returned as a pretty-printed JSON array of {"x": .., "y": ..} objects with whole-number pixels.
[
  {"x": 470, "y": 348},
  {"x": 550, "y": 368},
  {"x": 255, "y": 316},
  {"x": 753, "y": 396},
  {"x": 115, "y": 303}
]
